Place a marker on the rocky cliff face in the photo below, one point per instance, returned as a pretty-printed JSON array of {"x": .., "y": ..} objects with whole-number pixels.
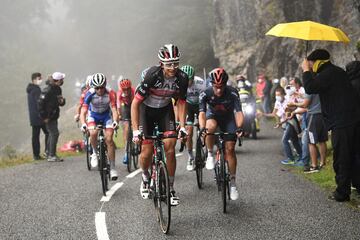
[{"x": 240, "y": 43}]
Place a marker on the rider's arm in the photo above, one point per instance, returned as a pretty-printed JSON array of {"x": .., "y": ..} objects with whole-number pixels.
[
  {"x": 83, "y": 112},
  {"x": 239, "y": 116},
  {"x": 181, "y": 112},
  {"x": 202, "y": 109},
  {"x": 135, "y": 109},
  {"x": 112, "y": 96}
]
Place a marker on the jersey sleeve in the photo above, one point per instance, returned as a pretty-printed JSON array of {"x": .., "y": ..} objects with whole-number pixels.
[
  {"x": 183, "y": 85},
  {"x": 88, "y": 97},
  {"x": 143, "y": 89},
  {"x": 237, "y": 104},
  {"x": 112, "y": 97},
  {"x": 118, "y": 98},
  {"x": 202, "y": 101}
]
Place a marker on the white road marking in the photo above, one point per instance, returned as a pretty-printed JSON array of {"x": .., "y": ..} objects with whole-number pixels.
[
  {"x": 111, "y": 192},
  {"x": 134, "y": 173},
  {"x": 100, "y": 223}
]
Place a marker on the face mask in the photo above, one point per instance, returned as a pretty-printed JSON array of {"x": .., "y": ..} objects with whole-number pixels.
[
  {"x": 278, "y": 98},
  {"x": 39, "y": 82},
  {"x": 289, "y": 92},
  {"x": 293, "y": 89}
]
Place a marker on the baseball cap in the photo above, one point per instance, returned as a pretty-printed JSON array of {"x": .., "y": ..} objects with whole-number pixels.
[
  {"x": 319, "y": 54},
  {"x": 58, "y": 75}
]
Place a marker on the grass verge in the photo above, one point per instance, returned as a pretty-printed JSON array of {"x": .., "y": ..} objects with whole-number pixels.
[{"x": 325, "y": 178}]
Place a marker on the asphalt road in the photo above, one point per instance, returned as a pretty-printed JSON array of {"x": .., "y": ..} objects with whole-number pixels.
[{"x": 63, "y": 201}]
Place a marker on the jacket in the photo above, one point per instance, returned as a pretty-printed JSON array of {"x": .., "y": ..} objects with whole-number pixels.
[
  {"x": 33, "y": 93},
  {"x": 49, "y": 106},
  {"x": 339, "y": 101}
]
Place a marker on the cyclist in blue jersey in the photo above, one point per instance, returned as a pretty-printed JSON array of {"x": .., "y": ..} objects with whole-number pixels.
[
  {"x": 101, "y": 103},
  {"x": 220, "y": 107}
]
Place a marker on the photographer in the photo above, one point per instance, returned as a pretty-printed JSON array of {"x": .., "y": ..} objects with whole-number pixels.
[{"x": 49, "y": 102}]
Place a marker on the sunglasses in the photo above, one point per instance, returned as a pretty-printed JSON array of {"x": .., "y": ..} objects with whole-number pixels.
[
  {"x": 171, "y": 65},
  {"x": 97, "y": 88}
]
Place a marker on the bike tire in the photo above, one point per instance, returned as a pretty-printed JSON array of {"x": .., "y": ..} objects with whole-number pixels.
[
  {"x": 223, "y": 181},
  {"x": 87, "y": 145},
  {"x": 253, "y": 130},
  {"x": 103, "y": 168},
  {"x": 129, "y": 155},
  {"x": 162, "y": 197},
  {"x": 199, "y": 163},
  {"x": 134, "y": 155}
]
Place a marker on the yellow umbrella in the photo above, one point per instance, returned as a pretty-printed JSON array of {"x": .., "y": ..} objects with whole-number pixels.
[{"x": 308, "y": 30}]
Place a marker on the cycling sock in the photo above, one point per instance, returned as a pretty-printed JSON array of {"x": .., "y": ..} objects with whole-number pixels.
[
  {"x": 190, "y": 153},
  {"x": 145, "y": 175},
  {"x": 112, "y": 164},
  {"x": 232, "y": 180},
  {"x": 171, "y": 182}
]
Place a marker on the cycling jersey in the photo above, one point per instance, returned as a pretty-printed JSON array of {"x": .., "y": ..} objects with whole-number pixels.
[
  {"x": 82, "y": 96},
  {"x": 122, "y": 99},
  {"x": 193, "y": 91},
  {"x": 100, "y": 104},
  {"x": 156, "y": 91},
  {"x": 227, "y": 103}
]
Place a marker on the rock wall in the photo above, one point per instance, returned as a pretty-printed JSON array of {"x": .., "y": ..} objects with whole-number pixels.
[{"x": 241, "y": 46}]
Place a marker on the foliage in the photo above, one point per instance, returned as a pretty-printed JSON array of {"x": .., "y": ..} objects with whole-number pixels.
[{"x": 9, "y": 152}]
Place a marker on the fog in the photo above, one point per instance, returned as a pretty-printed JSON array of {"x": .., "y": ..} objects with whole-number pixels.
[{"x": 116, "y": 37}]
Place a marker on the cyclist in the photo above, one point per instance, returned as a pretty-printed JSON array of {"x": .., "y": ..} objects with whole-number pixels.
[
  {"x": 125, "y": 95},
  {"x": 195, "y": 86},
  {"x": 82, "y": 97},
  {"x": 101, "y": 103},
  {"x": 152, "y": 103},
  {"x": 220, "y": 107}
]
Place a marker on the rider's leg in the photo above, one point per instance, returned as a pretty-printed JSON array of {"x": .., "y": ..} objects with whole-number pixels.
[
  {"x": 230, "y": 156},
  {"x": 189, "y": 141},
  {"x": 169, "y": 146},
  {"x": 145, "y": 158},
  {"x": 211, "y": 125},
  {"x": 93, "y": 137},
  {"x": 109, "y": 132}
]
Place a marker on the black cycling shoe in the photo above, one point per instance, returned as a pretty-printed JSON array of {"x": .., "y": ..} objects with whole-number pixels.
[{"x": 338, "y": 197}]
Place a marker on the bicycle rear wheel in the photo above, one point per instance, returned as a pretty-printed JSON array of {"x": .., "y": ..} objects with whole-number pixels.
[
  {"x": 223, "y": 181},
  {"x": 199, "y": 163},
  {"x": 134, "y": 155},
  {"x": 103, "y": 168},
  {"x": 162, "y": 197}
]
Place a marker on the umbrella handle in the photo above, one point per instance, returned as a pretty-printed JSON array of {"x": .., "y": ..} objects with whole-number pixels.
[{"x": 306, "y": 48}]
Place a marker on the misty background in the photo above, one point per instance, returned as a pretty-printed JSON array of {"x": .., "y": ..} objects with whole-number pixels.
[{"x": 115, "y": 37}]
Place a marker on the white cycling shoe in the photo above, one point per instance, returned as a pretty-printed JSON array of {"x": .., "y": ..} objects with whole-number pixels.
[
  {"x": 190, "y": 164},
  {"x": 210, "y": 164},
  {"x": 113, "y": 175},
  {"x": 174, "y": 200},
  {"x": 94, "y": 160},
  {"x": 234, "y": 194},
  {"x": 144, "y": 190}
]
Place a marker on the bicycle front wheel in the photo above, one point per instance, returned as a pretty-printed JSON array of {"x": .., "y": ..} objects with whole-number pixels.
[
  {"x": 162, "y": 197},
  {"x": 199, "y": 163},
  {"x": 103, "y": 168},
  {"x": 88, "y": 152},
  {"x": 129, "y": 155}
]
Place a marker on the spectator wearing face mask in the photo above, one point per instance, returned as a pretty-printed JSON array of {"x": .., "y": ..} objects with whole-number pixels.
[
  {"x": 275, "y": 85},
  {"x": 33, "y": 93},
  {"x": 49, "y": 107},
  {"x": 341, "y": 112}
]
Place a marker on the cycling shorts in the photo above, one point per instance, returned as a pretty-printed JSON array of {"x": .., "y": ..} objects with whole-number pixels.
[
  {"x": 226, "y": 123},
  {"x": 125, "y": 112},
  {"x": 192, "y": 109},
  {"x": 316, "y": 130},
  {"x": 95, "y": 118},
  {"x": 164, "y": 117}
]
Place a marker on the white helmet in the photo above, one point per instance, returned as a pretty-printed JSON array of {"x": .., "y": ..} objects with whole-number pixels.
[
  {"x": 98, "y": 80},
  {"x": 169, "y": 53}
]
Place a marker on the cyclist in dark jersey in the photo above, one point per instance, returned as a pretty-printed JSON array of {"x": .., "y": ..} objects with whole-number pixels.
[
  {"x": 152, "y": 103},
  {"x": 220, "y": 107}
]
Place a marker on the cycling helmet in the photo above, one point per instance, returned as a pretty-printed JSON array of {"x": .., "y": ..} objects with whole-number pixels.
[
  {"x": 125, "y": 83},
  {"x": 218, "y": 77},
  {"x": 98, "y": 80},
  {"x": 169, "y": 53},
  {"x": 189, "y": 70}
]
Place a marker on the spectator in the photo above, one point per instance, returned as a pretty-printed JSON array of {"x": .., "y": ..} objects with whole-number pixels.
[
  {"x": 341, "y": 112},
  {"x": 275, "y": 85},
  {"x": 291, "y": 126},
  {"x": 353, "y": 71},
  {"x": 243, "y": 84},
  {"x": 50, "y": 100},
  {"x": 263, "y": 88},
  {"x": 33, "y": 93},
  {"x": 283, "y": 82}
]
